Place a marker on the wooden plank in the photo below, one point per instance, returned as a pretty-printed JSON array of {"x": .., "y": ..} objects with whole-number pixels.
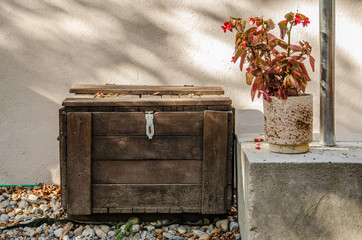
[
  {"x": 76, "y": 109},
  {"x": 140, "y": 147},
  {"x": 79, "y": 163},
  {"x": 151, "y": 195},
  {"x": 150, "y": 210},
  {"x": 230, "y": 160},
  {"x": 144, "y": 171},
  {"x": 126, "y": 109},
  {"x": 219, "y": 108},
  {"x": 99, "y": 210},
  {"x": 146, "y": 89},
  {"x": 215, "y": 162},
  {"x": 175, "y": 210},
  {"x": 191, "y": 210},
  {"x": 127, "y": 102},
  {"x": 151, "y": 109},
  {"x": 134, "y": 123},
  {"x": 120, "y": 210},
  {"x": 119, "y": 123},
  {"x": 100, "y": 109},
  {"x": 63, "y": 155},
  {"x": 138, "y": 210}
]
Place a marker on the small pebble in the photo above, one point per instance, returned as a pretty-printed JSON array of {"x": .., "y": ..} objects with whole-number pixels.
[
  {"x": 58, "y": 232},
  {"x": 99, "y": 232},
  {"x": 234, "y": 226},
  {"x": 204, "y": 237},
  {"x": 88, "y": 232},
  {"x": 181, "y": 229},
  {"x": 4, "y": 217},
  {"x": 134, "y": 220},
  {"x": 136, "y": 228},
  {"x": 224, "y": 224}
]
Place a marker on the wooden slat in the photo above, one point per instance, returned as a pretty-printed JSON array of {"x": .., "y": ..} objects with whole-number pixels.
[
  {"x": 150, "y": 210},
  {"x": 215, "y": 162},
  {"x": 79, "y": 163},
  {"x": 191, "y": 210},
  {"x": 146, "y": 89},
  {"x": 150, "y": 195},
  {"x": 168, "y": 171},
  {"x": 99, "y": 210},
  {"x": 230, "y": 160},
  {"x": 124, "y": 102},
  {"x": 63, "y": 155},
  {"x": 100, "y": 109},
  {"x": 134, "y": 123},
  {"x": 140, "y": 147},
  {"x": 120, "y": 210}
]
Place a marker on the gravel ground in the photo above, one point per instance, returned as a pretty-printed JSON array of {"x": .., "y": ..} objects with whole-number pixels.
[{"x": 36, "y": 213}]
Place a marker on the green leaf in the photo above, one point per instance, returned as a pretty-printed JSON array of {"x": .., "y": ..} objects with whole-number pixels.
[
  {"x": 289, "y": 17},
  {"x": 283, "y": 28}
]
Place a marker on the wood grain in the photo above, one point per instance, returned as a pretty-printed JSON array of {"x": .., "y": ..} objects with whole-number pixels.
[
  {"x": 146, "y": 89},
  {"x": 140, "y": 147},
  {"x": 79, "y": 163},
  {"x": 146, "y": 171},
  {"x": 133, "y": 123},
  {"x": 215, "y": 162},
  {"x": 63, "y": 155},
  {"x": 159, "y": 196},
  {"x": 145, "y": 102}
]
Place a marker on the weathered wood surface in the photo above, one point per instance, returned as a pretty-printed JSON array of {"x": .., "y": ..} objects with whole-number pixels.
[
  {"x": 79, "y": 163},
  {"x": 147, "y": 171},
  {"x": 215, "y": 162},
  {"x": 140, "y": 147},
  {"x": 133, "y": 123},
  {"x": 230, "y": 160},
  {"x": 158, "y": 196},
  {"x": 146, "y": 89},
  {"x": 63, "y": 155},
  {"x": 146, "y": 102}
]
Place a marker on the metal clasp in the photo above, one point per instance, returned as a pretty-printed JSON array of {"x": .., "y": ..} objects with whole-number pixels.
[{"x": 150, "y": 129}]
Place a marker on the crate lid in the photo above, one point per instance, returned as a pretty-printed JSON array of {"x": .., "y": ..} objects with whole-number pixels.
[
  {"x": 145, "y": 95},
  {"x": 145, "y": 89}
]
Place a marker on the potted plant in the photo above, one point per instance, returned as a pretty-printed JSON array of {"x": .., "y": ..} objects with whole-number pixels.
[{"x": 277, "y": 72}]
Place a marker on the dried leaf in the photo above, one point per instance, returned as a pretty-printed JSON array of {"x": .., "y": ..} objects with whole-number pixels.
[
  {"x": 249, "y": 78},
  {"x": 311, "y": 61}
]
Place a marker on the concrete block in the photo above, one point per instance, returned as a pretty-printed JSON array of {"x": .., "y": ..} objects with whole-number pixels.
[{"x": 316, "y": 195}]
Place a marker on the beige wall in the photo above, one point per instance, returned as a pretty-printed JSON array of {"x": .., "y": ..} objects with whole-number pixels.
[{"x": 46, "y": 46}]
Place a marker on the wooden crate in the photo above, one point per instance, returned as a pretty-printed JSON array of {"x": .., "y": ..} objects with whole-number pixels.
[{"x": 109, "y": 165}]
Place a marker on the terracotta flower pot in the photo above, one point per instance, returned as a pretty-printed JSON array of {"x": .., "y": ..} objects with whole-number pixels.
[{"x": 288, "y": 124}]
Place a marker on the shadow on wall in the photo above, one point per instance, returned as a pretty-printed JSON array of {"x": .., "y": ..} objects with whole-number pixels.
[{"x": 46, "y": 46}]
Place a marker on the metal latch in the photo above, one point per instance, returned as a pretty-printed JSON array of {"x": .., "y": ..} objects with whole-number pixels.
[{"x": 150, "y": 129}]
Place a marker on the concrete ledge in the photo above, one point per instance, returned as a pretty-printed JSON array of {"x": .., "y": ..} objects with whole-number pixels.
[{"x": 316, "y": 195}]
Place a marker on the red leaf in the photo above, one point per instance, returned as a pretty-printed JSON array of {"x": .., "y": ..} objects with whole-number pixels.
[
  {"x": 311, "y": 61},
  {"x": 242, "y": 60},
  {"x": 296, "y": 48}
]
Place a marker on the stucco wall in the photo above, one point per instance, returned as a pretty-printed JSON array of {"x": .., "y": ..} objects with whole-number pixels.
[{"x": 46, "y": 46}]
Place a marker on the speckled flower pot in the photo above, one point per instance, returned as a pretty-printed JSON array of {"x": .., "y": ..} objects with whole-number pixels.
[{"x": 288, "y": 124}]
